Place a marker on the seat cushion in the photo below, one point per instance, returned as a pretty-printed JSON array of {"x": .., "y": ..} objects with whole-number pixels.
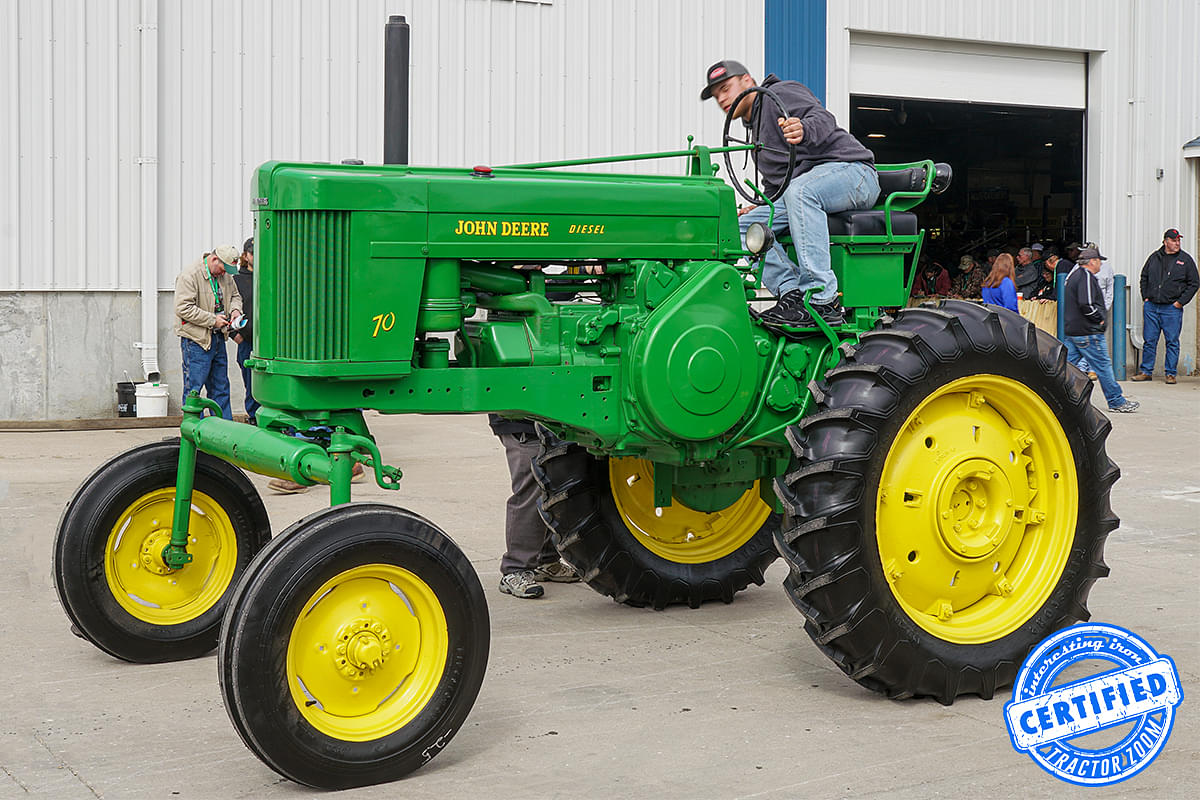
[{"x": 871, "y": 223}]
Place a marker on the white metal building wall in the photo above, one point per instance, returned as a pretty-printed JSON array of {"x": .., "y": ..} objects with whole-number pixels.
[
  {"x": 1143, "y": 96},
  {"x": 243, "y": 81}
]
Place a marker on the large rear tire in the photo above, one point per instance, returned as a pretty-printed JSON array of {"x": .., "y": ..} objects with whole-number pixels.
[
  {"x": 604, "y": 522},
  {"x": 354, "y": 647},
  {"x": 949, "y": 503},
  {"x": 108, "y": 567}
]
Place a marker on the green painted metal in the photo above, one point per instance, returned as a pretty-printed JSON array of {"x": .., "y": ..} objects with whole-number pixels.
[{"x": 656, "y": 356}]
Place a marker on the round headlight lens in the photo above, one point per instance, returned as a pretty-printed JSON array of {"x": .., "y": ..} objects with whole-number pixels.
[{"x": 758, "y": 237}]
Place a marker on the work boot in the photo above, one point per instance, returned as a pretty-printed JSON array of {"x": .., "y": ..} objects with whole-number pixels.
[
  {"x": 521, "y": 584},
  {"x": 556, "y": 572},
  {"x": 1170, "y": 379},
  {"x": 1141, "y": 376},
  {"x": 357, "y": 475},
  {"x": 284, "y": 486},
  {"x": 1092, "y": 376}
]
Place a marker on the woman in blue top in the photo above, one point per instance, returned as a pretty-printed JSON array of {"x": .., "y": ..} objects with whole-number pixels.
[{"x": 999, "y": 288}]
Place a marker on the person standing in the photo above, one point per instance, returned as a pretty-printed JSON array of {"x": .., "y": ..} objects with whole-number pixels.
[
  {"x": 530, "y": 557},
  {"x": 206, "y": 301},
  {"x": 244, "y": 336},
  {"x": 833, "y": 172},
  {"x": 1084, "y": 323},
  {"x": 999, "y": 288},
  {"x": 1169, "y": 282}
]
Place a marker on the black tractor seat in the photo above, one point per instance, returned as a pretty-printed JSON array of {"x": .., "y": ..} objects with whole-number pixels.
[{"x": 904, "y": 223}]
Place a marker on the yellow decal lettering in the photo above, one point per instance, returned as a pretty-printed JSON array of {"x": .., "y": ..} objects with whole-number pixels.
[
  {"x": 458, "y": 231},
  {"x": 491, "y": 228},
  {"x": 386, "y": 321},
  {"x": 506, "y": 228}
]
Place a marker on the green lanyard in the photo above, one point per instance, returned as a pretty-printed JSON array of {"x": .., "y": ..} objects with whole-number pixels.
[{"x": 212, "y": 282}]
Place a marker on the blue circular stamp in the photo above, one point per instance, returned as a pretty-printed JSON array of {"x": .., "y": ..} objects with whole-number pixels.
[{"x": 1050, "y": 718}]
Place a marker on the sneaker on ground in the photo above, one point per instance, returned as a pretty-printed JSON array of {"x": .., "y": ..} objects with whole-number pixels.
[
  {"x": 1141, "y": 376},
  {"x": 1129, "y": 407},
  {"x": 1170, "y": 379},
  {"x": 287, "y": 487},
  {"x": 556, "y": 572},
  {"x": 521, "y": 584}
]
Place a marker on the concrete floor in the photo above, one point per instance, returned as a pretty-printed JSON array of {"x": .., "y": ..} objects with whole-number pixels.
[{"x": 583, "y": 698}]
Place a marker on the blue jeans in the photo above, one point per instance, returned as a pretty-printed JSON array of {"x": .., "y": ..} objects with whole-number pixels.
[
  {"x": 207, "y": 369},
  {"x": 803, "y": 210},
  {"x": 243, "y": 352},
  {"x": 1167, "y": 319},
  {"x": 1095, "y": 349}
]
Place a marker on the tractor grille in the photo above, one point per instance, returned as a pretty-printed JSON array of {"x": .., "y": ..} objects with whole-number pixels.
[{"x": 313, "y": 269}]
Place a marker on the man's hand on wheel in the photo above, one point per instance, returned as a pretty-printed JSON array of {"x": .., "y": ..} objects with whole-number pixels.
[
  {"x": 745, "y": 209},
  {"x": 793, "y": 129}
]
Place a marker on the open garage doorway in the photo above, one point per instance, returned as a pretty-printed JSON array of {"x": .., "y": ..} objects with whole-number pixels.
[{"x": 1018, "y": 170}]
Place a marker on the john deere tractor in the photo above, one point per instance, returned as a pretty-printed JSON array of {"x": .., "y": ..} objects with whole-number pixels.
[{"x": 935, "y": 478}]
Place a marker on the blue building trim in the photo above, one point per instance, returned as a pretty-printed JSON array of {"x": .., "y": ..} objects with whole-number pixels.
[{"x": 795, "y": 42}]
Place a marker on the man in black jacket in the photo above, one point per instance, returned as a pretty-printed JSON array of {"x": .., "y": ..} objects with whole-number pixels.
[
  {"x": 1084, "y": 322},
  {"x": 1169, "y": 282},
  {"x": 244, "y": 336},
  {"x": 833, "y": 172}
]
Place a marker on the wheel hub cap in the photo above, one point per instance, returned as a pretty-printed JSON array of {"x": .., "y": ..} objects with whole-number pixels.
[
  {"x": 972, "y": 505},
  {"x": 363, "y": 646},
  {"x": 152, "y": 550}
]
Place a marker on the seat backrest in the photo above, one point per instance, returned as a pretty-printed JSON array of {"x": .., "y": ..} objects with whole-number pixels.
[{"x": 901, "y": 180}]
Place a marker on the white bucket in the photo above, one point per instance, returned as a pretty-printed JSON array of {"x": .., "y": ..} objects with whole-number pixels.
[{"x": 151, "y": 399}]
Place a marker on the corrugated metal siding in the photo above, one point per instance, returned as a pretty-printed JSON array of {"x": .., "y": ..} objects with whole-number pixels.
[
  {"x": 493, "y": 81},
  {"x": 1143, "y": 95}
]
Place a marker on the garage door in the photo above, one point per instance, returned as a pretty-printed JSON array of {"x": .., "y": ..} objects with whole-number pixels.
[{"x": 937, "y": 69}]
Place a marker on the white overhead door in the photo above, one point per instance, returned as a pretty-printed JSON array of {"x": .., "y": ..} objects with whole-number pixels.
[{"x": 940, "y": 69}]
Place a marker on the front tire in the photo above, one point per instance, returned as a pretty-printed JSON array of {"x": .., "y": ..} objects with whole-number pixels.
[
  {"x": 354, "y": 647},
  {"x": 604, "y": 523},
  {"x": 108, "y": 566},
  {"x": 949, "y": 503}
]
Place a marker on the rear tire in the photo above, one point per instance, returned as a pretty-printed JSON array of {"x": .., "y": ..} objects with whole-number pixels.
[
  {"x": 108, "y": 568},
  {"x": 354, "y": 647},
  {"x": 612, "y": 537},
  {"x": 949, "y": 502}
]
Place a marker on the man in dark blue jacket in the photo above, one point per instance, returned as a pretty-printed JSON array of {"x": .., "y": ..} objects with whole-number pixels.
[
  {"x": 1084, "y": 323},
  {"x": 833, "y": 172},
  {"x": 1169, "y": 282}
]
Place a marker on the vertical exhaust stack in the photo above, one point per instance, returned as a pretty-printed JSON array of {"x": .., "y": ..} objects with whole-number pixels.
[{"x": 395, "y": 90}]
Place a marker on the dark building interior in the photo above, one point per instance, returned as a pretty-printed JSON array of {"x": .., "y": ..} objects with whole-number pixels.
[{"x": 1018, "y": 170}]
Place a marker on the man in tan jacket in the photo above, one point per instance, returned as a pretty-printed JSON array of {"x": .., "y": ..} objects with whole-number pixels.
[{"x": 206, "y": 302}]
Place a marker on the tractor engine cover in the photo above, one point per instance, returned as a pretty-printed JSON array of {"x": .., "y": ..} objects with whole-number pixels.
[{"x": 694, "y": 364}]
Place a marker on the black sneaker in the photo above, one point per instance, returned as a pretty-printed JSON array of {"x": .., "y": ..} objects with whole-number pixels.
[{"x": 790, "y": 311}]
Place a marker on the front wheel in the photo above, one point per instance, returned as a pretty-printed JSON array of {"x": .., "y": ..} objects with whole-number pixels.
[
  {"x": 950, "y": 502},
  {"x": 354, "y": 647},
  {"x": 108, "y": 566},
  {"x": 603, "y": 520}
]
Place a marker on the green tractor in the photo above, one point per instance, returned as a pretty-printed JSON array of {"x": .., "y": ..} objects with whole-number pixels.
[{"x": 935, "y": 478}]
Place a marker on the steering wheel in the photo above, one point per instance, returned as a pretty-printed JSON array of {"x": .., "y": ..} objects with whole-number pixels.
[{"x": 726, "y": 140}]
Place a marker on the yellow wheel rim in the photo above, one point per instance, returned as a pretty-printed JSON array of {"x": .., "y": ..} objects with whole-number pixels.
[
  {"x": 676, "y": 532},
  {"x": 977, "y": 508},
  {"x": 367, "y": 652},
  {"x": 143, "y": 584}
]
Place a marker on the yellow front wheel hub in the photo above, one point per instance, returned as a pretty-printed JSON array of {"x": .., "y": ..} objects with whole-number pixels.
[
  {"x": 676, "y": 532},
  {"x": 977, "y": 508},
  {"x": 143, "y": 584},
  {"x": 367, "y": 652}
]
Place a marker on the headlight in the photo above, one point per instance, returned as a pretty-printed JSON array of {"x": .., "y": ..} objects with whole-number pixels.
[{"x": 758, "y": 238}]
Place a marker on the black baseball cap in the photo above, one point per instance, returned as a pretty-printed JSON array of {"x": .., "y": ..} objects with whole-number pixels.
[
  {"x": 1091, "y": 251},
  {"x": 1171, "y": 234},
  {"x": 248, "y": 245},
  {"x": 719, "y": 72}
]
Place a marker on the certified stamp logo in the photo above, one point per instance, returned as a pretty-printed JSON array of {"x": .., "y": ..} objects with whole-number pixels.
[{"x": 1053, "y": 719}]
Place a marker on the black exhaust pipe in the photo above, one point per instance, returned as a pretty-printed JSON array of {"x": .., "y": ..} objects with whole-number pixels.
[{"x": 395, "y": 91}]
